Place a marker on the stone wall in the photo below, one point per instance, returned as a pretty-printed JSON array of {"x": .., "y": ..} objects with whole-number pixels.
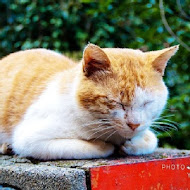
[{"x": 27, "y": 174}]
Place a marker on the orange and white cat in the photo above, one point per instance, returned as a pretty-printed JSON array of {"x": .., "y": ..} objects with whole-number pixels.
[{"x": 54, "y": 108}]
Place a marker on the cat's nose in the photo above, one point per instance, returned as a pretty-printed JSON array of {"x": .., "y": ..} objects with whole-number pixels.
[{"x": 133, "y": 126}]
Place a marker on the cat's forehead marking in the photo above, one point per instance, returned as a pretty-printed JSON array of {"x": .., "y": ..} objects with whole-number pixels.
[{"x": 131, "y": 71}]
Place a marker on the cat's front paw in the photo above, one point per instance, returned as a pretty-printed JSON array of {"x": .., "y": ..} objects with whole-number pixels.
[{"x": 142, "y": 144}]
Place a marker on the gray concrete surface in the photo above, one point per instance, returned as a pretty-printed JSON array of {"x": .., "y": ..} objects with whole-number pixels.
[
  {"x": 22, "y": 173},
  {"x": 43, "y": 177},
  {"x": 25, "y": 174}
]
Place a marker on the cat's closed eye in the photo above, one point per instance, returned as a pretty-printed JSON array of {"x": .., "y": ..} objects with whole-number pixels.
[
  {"x": 116, "y": 103},
  {"x": 147, "y": 103},
  {"x": 121, "y": 105}
]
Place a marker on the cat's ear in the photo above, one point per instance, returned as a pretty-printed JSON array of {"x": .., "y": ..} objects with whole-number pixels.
[
  {"x": 94, "y": 59},
  {"x": 160, "y": 58}
]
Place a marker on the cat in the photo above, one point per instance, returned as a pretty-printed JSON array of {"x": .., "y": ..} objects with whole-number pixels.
[{"x": 54, "y": 108}]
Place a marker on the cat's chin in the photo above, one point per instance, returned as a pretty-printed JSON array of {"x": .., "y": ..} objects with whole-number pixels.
[
  {"x": 126, "y": 135},
  {"x": 131, "y": 134}
]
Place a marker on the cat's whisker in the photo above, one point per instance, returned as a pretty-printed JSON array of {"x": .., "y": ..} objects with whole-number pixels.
[
  {"x": 96, "y": 128},
  {"x": 102, "y": 135},
  {"x": 169, "y": 121},
  {"x": 94, "y": 123},
  {"x": 172, "y": 122},
  {"x": 119, "y": 125},
  {"x": 157, "y": 132},
  {"x": 166, "y": 124},
  {"x": 167, "y": 128},
  {"x": 93, "y": 129},
  {"x": 166, "y": 116},
  {"x": 110, "y": 135},
  {"x": 102, "y": 129},
  {"x": 162, "y": 129}
]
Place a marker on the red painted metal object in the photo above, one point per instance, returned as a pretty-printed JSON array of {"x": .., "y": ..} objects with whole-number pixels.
[{"x": 163, "y": 174}]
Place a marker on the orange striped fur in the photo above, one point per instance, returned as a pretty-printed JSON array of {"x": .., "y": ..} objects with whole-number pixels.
[{"x": 23, "y": 77}]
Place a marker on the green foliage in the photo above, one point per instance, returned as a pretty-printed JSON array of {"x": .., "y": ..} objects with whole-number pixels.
[{"x": 66, "y": 26}]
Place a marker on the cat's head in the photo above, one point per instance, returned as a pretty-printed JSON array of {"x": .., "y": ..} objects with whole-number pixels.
[{"x": 123, "y": 86}]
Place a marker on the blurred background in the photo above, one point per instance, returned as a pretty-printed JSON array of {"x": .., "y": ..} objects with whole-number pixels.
[{"x": 67, "y": 26}]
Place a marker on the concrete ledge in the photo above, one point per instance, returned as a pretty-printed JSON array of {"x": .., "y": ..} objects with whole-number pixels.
[
  {"x": 43, "y": 177},
  {"x": 26, "y": 174}
]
